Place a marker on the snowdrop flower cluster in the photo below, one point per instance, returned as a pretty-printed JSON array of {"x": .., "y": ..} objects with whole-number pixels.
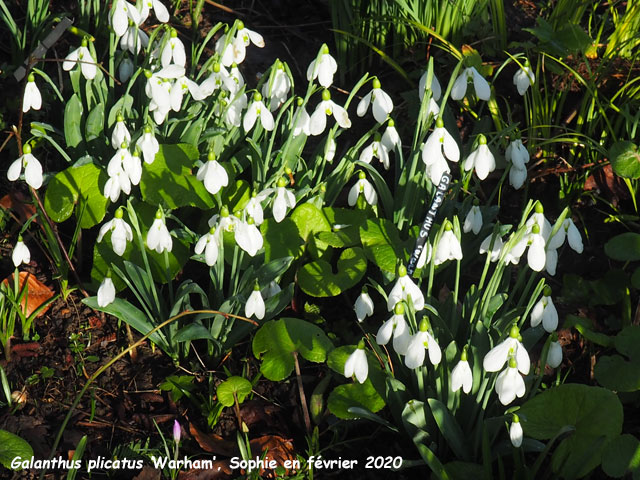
[
  {"x": 439, "y": 147},
  {"x": 381, "y": 102},
  {"x": 524, "y": 78},
  {"x": 120, "y": 232},
  {"x": 31, "y": 166},
  {"x": 481, "y": 159},
  {"x": 32, "y": 97},
  {"x": 362, "y": 187},
  {"x": 21, "y": 253},
  {"x": 480, "y": 85},
  {"x": 509, "y": 383},
  {"x": 518, "y": 155},
  {"x": 357, "y": 364}
]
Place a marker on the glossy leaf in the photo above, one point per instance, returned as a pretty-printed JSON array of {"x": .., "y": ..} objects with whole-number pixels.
[{"x": 232, "y": 388}]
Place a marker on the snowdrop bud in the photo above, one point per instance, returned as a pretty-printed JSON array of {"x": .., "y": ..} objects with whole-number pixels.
[
  {"x": 357, "y": 364},
  {"x": 364, "y": 305},
  {"x": 515, "y": 432},
  {"x": 125, "y": 70},
  {"x": 176, "y": 431},
  {"x": 20, "y": 253},
  {"x": 554, "y": 356},
  {"x": 106, "y": 291}
]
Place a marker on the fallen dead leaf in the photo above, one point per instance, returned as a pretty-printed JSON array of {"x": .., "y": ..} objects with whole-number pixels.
[
  {"x": 37, "y": 292},
  {"x": 212, "y": 443},
  {"x": 220, "y": 471},
  {"x": 148, "y": 473},
  {"x": 276, "y": 447},
  {"x": 20, "y": 204}
]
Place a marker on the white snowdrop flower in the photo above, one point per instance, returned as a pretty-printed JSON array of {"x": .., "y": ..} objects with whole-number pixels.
[
  {"x": 364, "y": 187},
  {"x": 436, "y": 89},
  {"x": 233, "y": 112},
  {"x": 323, "y": 68},
  {"x": 125, "y": 70},
  {"x": 284, "y": 200},
  {"x": 213, "y": 175},
  {"x": 375, "y": 149},
  {"x": 551, "y": 261},
  {"x": 422, "y": 340},
  {"x": 536, "y": 255},
  {"x": 173, "y": 51},
  {"x": 217, "y": 79},
  {"x": 235, "y": 82},
  {"x": 162, "y": 14},
  {"x": 256, "y": 110},
  {"x": 448, "y": 247},
  {"x": 119, "y": 16},
  {"x": 425, "y": 256},
  {"x": 517, "y": 154},
  {"x": 439, "y": 147},
  {"x": 404, "y": 289},
  {"x": 209, "y": 244},
  {"x": 524, "y": 78},
  {"x": 179, "y": 88},
  {"x": 120, "y": 232},
  {"x": 357, "y": 364},
  {"x": 254, "y": 206},
  {"x": 158, "y": 237},
  {"x": 481, "y": 159},
  {"x": 381, "y": 102},
  {"x": 473, "y": 220},
  {"x": 495, "y": 250},
  {"x": 554, "y": 356},
  {"x": 32, "y": 97},
  {"x": 390, "y": 138},
  {"x": 134, "y": 39},
  {"x": 120, "y": 133},
  {"x": 517, "y": 177},
  {"x": 31, "y": 165},
  {"x": 482, "y": 88},
  {"x": 395, "y": 327},
  {"x": 510, "y": 347},
  {"x": 318, "y": 121},
  {"x": 118, "y": 181},
  {"x": 330, "y": 149},
  {"x": 278, "y": 87},
  {"x": 158, "y": 89},
  {"x": 248, "y": 237},
  {"x": 82, "y": 58},
  {"x": 363, "y": 306},
  {"x": 510, "y": 383},
  {"x": 148, "y": 144},
  {"x": 224, "y": 221},
  {"x": 568, "y": 230},
  {"x": 461, "y": 375},
  {"x": 235, "y": 50},
  {"x": 302, "y": 120},
  {"x": 132, "y": 165},
  {"x": 249, "y": 36},
  {"x": 538, "y": 218},
  {"x": 255, "y": 304},
  {"x": 515, "y": 432},
  {"x": 106, "y": 292},
  {"x": 20, "y": 253},
  {"x": 545, "y": 311},
  {"x": 272, "y": 289}
]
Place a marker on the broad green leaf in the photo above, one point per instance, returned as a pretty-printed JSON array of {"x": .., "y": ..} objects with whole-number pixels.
[
  {"x": 281, "y": 239},
  {"x": 594, "y": 412},
  {"x": 449, "y": 428},
  {"x": 277, "y": 341},
  {"x": 627, "y": 342},
  {"x": 625, "y": 159},
  {"x": 236, "y": 195},
  {"x": 349, "y": 395},
  {"x": 458, "y": 470},
  {"x": 193, "y": 331},
  {"x": 12, "y": 446},
  {"x": 169, "y": 180},
  {"x": 617, "y": 373},
  {"x": 72, "y": 122},
  {"x": 94, "y": 128},
  {"x": 317, "y": 278},
  {"x": 131, "y": 315},
  {"x": 232, "y": 388},
  {"x": 624, "y": 247},
  {"x": 621, "y": 456},
  {"x": 309, "y": 220},
  {"x": 124, "y": 107},
  {"x": 382, "y": 244},
  {"x": 77, "y": 185}
]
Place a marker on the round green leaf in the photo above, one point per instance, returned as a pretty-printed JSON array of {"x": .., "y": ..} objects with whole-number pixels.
[
  {"x": 382, "y": 243},
  {"x": 281, "y": 239},
  {"x": 624, "y": 247},
  {"x": 12, "y": 446},
  {"x": 594, "y": 412},
  {"x": 616, "y": 373},
  {"x": 625, "y": 159},
  {"x": 278, "y": 340},
  {"x": 622, "y": 455},
  {"x": 361, "y": 395},
  {"x": 231, "y": 388},
  {"x": 309, "y": 220},
  {"x": 627, "y": 341},
  {"x": 317, "y": 278}
]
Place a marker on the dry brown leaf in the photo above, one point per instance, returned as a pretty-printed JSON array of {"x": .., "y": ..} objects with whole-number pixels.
[
  {"x": 37, "y": 292},
  {"x": 220, "y": 471},
  {"x": 148, "y": 473},
  {"x": 20, "y": 204},
  {"x": 277, "y": 448},
  {"x": 212, "y": 443}
]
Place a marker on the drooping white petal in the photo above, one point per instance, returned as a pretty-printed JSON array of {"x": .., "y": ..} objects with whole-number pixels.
[
  {"x": 363, "y": 306},
  {"x": 554, "y": 357},
  {"x": 516, "y": 434},
  {"x": 32, "y": 171},
  {"x": 357, "y": 365},
  {"x": 461, "y": 377},
  {"x": 483, "y": 90},
  {"x": 459, "y": 89},
  {"x": 255, "y": 305},
  {"x": 13, "y": 173},
  {"x": 106, "y": 292}
]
